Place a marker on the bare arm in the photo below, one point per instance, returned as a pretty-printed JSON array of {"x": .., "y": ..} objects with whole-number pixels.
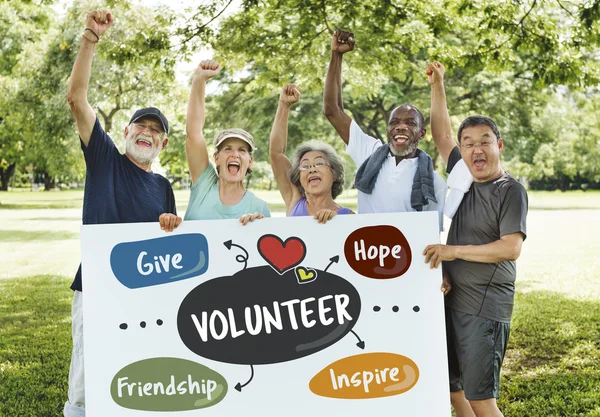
[
  {"x": 280, "y": 163},
  {"x": 333, "y": 108},
  {"x": 85, "y": 117},
  {"x": 507, "y": 248},
  {"x": 441, "y": 128},
  {"x": 195, "y": 145}
]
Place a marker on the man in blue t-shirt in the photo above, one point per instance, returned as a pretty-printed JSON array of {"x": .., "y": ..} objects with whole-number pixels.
[{"x": 118, "y": 188}]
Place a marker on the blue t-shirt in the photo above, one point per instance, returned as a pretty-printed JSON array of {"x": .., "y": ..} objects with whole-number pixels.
[
  {"x": 205, "y": 203},
  {"x": 117, "y": 190}
]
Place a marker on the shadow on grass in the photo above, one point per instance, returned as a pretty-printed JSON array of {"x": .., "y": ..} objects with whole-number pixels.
[
  {"x": 35, "y": 345},
  {"x": 551, "y": 366},
  {"x": 43, "y": 235}
]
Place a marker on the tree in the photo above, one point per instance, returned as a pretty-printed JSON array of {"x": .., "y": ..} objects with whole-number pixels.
[
  {"x": 133, "y": 68},
  {"x": 22, "y": 24},
  {"x": 565, "y": 147},
  {"x": 504, "y": 59}
]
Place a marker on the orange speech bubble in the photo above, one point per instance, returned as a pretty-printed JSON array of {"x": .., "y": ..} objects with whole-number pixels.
[{"x": 369, "y": 375}]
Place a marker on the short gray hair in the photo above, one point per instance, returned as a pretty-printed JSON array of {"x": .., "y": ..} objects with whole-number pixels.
[{"x": 337, "y": 165}]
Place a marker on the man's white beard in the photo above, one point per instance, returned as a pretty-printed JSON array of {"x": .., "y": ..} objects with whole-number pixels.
[
  {"x": 411, "y": 148},
  {"x": 141, "y": 155}
]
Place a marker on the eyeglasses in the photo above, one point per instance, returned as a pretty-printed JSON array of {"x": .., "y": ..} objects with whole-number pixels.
[
  {"x": 485, "y": 144},
  {"x": 305, "y": 166}
]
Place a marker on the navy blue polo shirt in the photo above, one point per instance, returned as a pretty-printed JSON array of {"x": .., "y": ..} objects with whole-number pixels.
[{"x": 117, "y": 190}]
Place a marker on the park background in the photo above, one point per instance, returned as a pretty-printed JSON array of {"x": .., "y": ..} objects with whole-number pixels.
[{"x": 532, "y": 65}]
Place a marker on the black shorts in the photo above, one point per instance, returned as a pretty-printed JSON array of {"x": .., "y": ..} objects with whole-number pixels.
[{"x": 476, "y": 348}]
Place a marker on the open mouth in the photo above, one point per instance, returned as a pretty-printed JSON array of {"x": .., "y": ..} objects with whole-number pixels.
[
  {"x": 479, "y": 163},
  {"x": 145, "y": 143},
  {"x": 400, "y": 139},
  {"x": 233, "y": 167},
  {"x": 314, "y": 181}
]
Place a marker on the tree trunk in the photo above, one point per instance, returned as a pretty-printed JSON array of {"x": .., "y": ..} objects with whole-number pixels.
[
  {"x": 6, "y": 175},
  {"x": 48, "y": 182}
]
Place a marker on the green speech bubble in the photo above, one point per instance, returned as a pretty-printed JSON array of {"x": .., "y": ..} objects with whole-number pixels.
[{"x": 167, "y": 384}]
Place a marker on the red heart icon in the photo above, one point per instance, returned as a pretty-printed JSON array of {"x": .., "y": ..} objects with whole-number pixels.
[{"x": 281, "y": 255}]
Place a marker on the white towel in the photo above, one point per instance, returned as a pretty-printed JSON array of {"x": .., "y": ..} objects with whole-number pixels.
[{"x": 459, "y": 182}]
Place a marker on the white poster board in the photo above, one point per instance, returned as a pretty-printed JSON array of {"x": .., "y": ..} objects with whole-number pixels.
[{"x": 274, "y": 318}]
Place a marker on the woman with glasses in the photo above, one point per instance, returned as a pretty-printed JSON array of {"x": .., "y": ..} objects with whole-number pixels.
[{"x": 315, "y": 178}]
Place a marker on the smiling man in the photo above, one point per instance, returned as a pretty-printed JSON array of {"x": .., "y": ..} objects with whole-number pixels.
[
  {"x": 118, "y": 188},
  {"x": 484, "y": 241},
  {"x": 397, "y": 177}
]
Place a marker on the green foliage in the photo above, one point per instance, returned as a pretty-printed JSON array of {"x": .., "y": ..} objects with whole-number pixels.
[
  {"x": 21, "y": 22},
  {"x": 526, "y": 63},
  {"x": 503, "y": 59},
  {"x": 134, "y": 63},
  {"x": 563, "y": 147},
  {"x": 538, "y": 40},
  {"x": 134, "y": 67}
]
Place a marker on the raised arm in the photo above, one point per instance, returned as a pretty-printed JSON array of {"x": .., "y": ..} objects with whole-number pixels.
[
  {"x": 441, "y": 128},
  {"x": 195, "y": 145},
  {"x": 280, "y": 163},
  {"x": 96, "y": 24},
  {"x": 333, "y": 108}
]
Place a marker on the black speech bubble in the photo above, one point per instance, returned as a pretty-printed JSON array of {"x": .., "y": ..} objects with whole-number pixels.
[{"x": 262, "y": 286}]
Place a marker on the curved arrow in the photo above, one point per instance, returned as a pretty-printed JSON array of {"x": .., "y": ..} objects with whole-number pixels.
[
  {"x": 240, "y": 386},
  {"x": 332, "y": 260},
  {"x": 239, "y": 258},
  {"x": 361, "y": 343}
]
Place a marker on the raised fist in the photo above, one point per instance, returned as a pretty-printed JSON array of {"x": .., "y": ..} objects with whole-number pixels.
[
  {"x": 435, "y": 73},
  {"x": 207, "y": 69},
  {"x": 342, "y": 41},
  {"x": 99, "y": 21},
  {"x": 290, "y": 94}
]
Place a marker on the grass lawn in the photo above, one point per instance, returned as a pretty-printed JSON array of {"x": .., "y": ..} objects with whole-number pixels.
[
  {"x": 538, "y": 200},
  {"x": 552, "y": 364}
]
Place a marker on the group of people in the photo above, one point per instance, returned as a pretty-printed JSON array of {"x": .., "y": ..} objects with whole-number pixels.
[{"x": 487, "y": 206}]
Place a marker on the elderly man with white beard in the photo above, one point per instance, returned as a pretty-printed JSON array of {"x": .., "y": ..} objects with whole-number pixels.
[{"x": 118, "y": 188}]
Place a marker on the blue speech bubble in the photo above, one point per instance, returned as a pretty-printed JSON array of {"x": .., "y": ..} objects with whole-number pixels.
[{"x": 159, "y": 261}]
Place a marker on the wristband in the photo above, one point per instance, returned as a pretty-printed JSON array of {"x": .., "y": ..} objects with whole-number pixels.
[
  {"x": 88, "y": 39},
  {"x": 95, "y": 34}
]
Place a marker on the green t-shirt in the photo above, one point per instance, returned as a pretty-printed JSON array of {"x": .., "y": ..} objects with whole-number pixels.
[{"x": 205, "y": 203}]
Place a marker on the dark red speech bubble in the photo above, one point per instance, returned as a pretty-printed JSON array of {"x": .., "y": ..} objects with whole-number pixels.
[{"x": 380, "y": 252}]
